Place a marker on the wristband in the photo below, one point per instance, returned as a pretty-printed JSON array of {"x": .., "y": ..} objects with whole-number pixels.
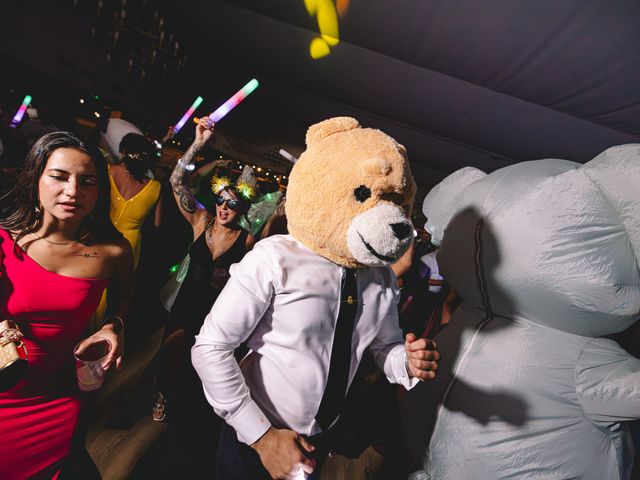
[
  {"x": 187, "y": 166},
  {"x": 118, "y": 320}
]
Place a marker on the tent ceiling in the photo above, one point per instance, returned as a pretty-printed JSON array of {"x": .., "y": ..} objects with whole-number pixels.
[{"x": 459, "y": 82}]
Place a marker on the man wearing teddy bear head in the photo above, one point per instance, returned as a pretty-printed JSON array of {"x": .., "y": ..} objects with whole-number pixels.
[{"x": 308, "y": 304}]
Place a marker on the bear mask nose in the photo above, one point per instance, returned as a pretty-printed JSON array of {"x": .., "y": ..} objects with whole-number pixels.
[{"x": 401, "y": 230}]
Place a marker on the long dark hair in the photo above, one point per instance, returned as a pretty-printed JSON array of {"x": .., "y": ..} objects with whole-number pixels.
[
  {"x": 22, "y": 212},
  {"x": 136, "y": 151}
]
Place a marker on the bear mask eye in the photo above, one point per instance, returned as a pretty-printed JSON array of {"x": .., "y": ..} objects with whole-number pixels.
[{"x": 362, "y": 193}]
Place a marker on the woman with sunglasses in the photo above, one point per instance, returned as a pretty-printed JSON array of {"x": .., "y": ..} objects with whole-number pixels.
[{"x": 218, "y": 243}]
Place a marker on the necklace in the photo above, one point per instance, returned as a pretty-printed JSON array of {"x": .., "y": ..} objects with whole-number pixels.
[
  {"x": 61, "y": 243},
  {"x": 208, "y": 237}
]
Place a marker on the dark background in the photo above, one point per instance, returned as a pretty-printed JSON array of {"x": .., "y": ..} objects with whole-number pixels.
[{"x": 458, "y": 82}]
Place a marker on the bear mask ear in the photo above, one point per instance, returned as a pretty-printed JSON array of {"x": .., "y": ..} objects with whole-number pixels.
[{"x": 328, "y": 127}]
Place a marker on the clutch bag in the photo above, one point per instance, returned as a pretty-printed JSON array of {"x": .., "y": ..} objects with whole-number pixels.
[{"x": 13, "y": 355}]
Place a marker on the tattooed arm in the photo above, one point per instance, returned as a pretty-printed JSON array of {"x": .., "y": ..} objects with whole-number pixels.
[{"x": 189, "y": 206}]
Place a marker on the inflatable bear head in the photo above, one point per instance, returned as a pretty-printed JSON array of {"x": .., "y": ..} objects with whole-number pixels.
[{"x": 550, "y": 241}]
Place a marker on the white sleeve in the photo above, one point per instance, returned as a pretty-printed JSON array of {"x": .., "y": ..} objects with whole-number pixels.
[
  {"x": 388, "y": 351},
  {"x": 233, "y": 317},
  {"x": 608, "y": 382}
]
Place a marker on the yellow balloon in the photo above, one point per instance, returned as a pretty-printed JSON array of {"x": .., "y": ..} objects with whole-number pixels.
[
  {"x": 327, "y": 17},
  {"x": 318, "y": 48}
]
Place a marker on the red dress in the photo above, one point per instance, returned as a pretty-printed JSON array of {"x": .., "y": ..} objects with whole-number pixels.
[{"x": 38, "y": 416}]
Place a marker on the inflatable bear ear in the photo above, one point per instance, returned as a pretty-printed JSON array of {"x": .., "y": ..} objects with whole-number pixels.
[
  {"x": 616, "y": 173},
  {"x": 334, "y": 125},
  {"x": 443, "y": 201}
]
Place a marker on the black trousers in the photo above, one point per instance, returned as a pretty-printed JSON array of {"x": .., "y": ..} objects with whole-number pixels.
[{"x": 238, "y": 461}]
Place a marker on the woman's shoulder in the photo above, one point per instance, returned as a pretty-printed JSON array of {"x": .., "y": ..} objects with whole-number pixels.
[
  {"x": 155, "y": 185},
  {"x": 113, "y": 248},
  {"x": 249, "y": 239},
  {"x": 7, "y": 237}
]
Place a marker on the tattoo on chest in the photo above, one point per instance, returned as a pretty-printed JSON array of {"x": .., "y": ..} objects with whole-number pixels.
[{"x": 87, "y": 255}]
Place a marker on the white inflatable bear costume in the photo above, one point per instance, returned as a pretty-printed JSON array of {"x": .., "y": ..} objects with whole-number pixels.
[{"x": 545, "y": 256}]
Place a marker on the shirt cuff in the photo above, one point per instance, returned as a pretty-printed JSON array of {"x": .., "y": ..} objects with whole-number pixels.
[
  {"x": 400, "y": 367},
  {"x": 249, "y": 423}
]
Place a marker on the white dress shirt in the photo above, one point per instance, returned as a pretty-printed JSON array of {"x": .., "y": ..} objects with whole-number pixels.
[{"x": 285, "y": 299}]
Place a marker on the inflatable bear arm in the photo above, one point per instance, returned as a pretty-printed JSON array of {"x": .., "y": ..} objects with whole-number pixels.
[{"x": 608, "y": 383}]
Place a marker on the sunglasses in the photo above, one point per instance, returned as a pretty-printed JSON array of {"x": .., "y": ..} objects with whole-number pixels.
[{"x": 233, "y": 204}]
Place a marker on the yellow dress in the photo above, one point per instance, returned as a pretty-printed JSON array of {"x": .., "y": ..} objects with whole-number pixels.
[{"x": 128, "y": 215}]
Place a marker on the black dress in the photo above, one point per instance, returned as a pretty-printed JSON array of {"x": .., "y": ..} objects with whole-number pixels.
[
  {"x": 203, "y": 283},
  {"x": 193, "y": 427}
]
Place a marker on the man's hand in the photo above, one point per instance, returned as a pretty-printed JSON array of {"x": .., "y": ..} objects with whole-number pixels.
[
  {"x": 422, "y": 357},
  {"x": 281, "y": 453}
]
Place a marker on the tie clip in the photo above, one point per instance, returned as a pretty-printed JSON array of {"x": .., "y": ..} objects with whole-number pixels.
[{"x": 350, "y": 300}]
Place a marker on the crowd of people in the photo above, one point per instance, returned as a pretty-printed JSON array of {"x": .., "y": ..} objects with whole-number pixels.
[
  {"x": 94, "y": 235},
  {"x": 293, "y": 320}
]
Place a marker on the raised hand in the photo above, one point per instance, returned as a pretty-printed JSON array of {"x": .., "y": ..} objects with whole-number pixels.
[{"x": 204, "y": 131}]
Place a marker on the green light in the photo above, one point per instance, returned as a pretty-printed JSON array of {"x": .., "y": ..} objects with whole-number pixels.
[
  {"x": 175, "y": 268},
  {"x": 97, "y": 97},
  {"x": 250, "y": 87}
]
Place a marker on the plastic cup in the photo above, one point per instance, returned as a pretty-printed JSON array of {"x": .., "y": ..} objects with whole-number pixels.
[{"x": 89, "y": 366}]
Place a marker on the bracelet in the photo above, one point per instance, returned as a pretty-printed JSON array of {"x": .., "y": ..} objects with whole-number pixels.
[
  {"x": 115, "y": 317},
  {"x": 187, "y": 166}
]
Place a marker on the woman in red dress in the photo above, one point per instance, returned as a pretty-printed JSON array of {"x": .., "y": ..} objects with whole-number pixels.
[{"x": 58, "y": 252}]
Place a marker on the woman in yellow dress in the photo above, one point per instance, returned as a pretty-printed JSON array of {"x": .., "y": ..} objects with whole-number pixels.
[{"x": 133, "y": 194}]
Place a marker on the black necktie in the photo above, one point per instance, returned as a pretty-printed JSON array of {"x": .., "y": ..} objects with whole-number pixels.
[{"x": 336, "y": 389}]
